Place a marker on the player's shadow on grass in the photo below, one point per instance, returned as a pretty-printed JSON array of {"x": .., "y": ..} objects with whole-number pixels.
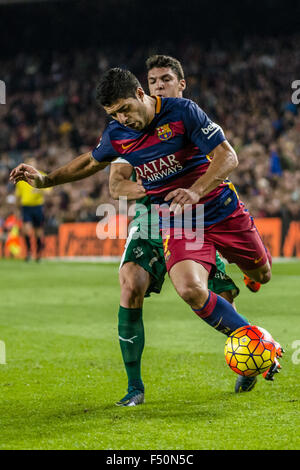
[
  {"x": 63, "y": 419},
  {"x": 210, "y": 406}
]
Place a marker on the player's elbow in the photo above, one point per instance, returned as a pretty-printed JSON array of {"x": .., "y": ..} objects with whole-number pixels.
[
  {"x": 232, "y": 159},
  {"x": 227, "y": 156},
  {"x": 113, "y": 189}
]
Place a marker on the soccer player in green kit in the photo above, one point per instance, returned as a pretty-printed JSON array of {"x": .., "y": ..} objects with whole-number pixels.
[{"x": 142, "y": 267}]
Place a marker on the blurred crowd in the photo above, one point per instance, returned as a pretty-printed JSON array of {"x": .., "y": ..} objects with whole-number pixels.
[{"x": 51, "y": 115}]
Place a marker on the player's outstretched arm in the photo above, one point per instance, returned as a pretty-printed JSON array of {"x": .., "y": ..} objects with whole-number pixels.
[
  {"x": 120, "y": 183},
  {"x": 81, "y": 167}
]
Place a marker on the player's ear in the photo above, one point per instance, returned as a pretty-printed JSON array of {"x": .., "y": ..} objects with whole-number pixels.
[
  {"x": 182, "y": 84},
  {"x": 140, "y": 93}
]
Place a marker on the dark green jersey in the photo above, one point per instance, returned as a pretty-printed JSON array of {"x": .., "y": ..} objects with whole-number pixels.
[{"x": 146, "y": 220}]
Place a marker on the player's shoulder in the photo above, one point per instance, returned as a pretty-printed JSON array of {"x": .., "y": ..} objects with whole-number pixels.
[
  {"x": 116, "y": 131},
  {"x": 183, "y": 103},
  {"x": 112, "y": 127},
  {"x": 111, "y": 132},
  {"x": 184, "y": 106}
]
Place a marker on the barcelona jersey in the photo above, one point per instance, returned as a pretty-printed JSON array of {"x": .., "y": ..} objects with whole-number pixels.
[{"x": 170, "y": 153}]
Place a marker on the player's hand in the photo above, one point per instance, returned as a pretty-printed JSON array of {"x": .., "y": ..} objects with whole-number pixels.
[
  {"x": 138, "y": 190},
  {"x": 180, "y": 197},
  {"x": 29, "y": 174},
  {"x": 139, "y": 181}
]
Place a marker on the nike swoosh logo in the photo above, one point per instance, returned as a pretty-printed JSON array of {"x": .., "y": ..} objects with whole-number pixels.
[
  {"x": 127, "y": 146},
  {"x": 258, "y": 260}
]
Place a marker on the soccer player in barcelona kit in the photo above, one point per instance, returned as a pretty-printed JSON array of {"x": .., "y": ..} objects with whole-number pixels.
[
  {"x": 167, "y": 141},
  {"x": 142, "y": 267}
]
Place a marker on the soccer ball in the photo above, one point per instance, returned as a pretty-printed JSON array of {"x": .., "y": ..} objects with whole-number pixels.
[{"x": 250, "y": 351}]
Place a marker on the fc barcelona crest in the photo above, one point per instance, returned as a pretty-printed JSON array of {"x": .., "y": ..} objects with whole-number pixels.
[{"x": 164, "y": 132}]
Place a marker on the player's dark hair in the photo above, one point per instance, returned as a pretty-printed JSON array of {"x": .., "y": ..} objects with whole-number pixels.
[
  {"x": 116, "y": 84},
  {"x": 159, "y": 61}
]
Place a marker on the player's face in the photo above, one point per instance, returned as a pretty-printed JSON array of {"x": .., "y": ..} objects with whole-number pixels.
[
  {"x": 162, "y": 81},
  {"x": 131, "y": 112}
]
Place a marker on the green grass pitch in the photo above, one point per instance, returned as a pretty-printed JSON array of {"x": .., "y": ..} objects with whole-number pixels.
[{"x": 64, "y": 369}]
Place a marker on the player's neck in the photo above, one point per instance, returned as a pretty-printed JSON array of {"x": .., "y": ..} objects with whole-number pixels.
[{"x": 150, "y": 103}]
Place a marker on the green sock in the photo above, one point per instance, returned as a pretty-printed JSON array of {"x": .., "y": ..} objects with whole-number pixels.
[{"x": 132, "y": 340}]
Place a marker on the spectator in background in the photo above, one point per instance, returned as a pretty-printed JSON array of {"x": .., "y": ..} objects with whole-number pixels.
[
  {"x": 275, "y": 163},
  {"x": 51, "y": 115}
]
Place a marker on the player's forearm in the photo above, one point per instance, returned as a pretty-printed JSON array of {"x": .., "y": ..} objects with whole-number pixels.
[
  {"x": 79, "y": 168},
  {"x": 126, "y": 188},
  {"x": 224, "y": 162}
]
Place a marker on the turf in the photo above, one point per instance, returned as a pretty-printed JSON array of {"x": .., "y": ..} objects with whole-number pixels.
[{"x": 64, "y": 369}]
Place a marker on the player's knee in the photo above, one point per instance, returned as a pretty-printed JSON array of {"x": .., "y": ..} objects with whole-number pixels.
[
  {"x": 262, "y": 275},
  {"x": 193, "y": 294},
  {"x": 132, "y": 291},
  {"x": 265, "y": 276}
]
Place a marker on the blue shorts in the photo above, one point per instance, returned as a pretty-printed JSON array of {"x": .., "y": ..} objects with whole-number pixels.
[{"x": 34, "y": 215}]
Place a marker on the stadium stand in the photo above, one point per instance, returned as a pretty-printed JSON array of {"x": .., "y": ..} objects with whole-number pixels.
[{"x": 51, "y": 115}]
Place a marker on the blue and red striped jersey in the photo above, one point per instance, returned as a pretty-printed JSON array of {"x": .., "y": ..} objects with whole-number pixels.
[{"x": 172, "y": 152}]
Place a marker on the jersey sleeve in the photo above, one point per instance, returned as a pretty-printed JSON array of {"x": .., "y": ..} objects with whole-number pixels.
[
  {"x": 104, "y": 152},
  {"x": 121, "y": 160},
  {"x": 201, "y": 130}
]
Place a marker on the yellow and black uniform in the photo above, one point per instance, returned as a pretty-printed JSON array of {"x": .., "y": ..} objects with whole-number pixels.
[
  {"x": 32, "y": 206},
  {"x": 32, "y": 202}
]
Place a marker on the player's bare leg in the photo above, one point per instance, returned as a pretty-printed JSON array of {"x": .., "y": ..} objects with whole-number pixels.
[
  {"x": 27, "y": 231},
  {"x": 134, "y": 281},
  {"x": 254, "y": 278},
  {"x": 39, "y": 236},
  {"x": 249, "y": 276},
  {"x": 190, "y": 281}
]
